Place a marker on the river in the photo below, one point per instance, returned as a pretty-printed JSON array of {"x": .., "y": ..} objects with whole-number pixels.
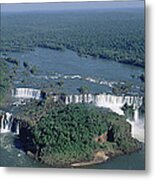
[{"x": 74, "y": 71}]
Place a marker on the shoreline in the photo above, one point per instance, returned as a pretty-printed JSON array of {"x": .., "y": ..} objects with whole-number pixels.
[
  {"x": 101, "y": 156},
  {"x": 105, "y": 156},
  {"x": 98, "y": 159}
]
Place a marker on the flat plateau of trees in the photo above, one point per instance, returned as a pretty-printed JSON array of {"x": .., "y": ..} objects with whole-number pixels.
[
  {"x": 8, "y": 70},
  {"x": 5, "y": 80},
  {"x": 109, "y": 35}
]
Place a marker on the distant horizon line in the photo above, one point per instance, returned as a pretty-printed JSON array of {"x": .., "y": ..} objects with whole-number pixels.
[
  {"x": 64, "y": 6},
  {"x": 71, "y": 10}
]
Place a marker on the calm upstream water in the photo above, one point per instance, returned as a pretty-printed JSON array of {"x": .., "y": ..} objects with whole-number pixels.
[
  {"x": 75, "y": 71},
  {"x": 53, "y": 66}
]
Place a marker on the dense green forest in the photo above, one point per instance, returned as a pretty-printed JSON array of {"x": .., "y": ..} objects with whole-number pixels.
[
  {"x": 59, "y": 134},
  {"x": 4, "y": 80},
  {"x": 113, "y": 35},
  {"x": 8, "y": 70}
]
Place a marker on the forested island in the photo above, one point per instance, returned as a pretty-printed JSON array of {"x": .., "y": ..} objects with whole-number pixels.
[{"x": 64, "y": 135}]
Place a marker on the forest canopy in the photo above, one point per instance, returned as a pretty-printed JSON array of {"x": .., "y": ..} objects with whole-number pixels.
[
  {"x": 111, "y": 35},
  {"x": 64, "y": 134},
  {"x": 4, "y": 80}
]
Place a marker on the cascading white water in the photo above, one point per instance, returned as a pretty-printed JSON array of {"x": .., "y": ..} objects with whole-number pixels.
[
  {"x": 109, "y": 101},
  {"x": 136, "y": 115},
  {"x": 115, "y": 103},
  {"x": 137, "y": 124},
  {"x": 76, "y": 98},
  {"x": 81, "y": 98},
  {"x": 26, "y": 93},
  {"x": 8, "y": 123},
  {"x": 104, "y": 100},
  {"x": 66, "y": 100}
]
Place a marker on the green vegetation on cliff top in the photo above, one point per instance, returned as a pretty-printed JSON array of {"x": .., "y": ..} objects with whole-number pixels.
[{"x": 63, "y": 134}]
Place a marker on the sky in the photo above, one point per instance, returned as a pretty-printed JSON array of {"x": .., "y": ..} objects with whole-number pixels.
[{"x": 22, "y": 7}]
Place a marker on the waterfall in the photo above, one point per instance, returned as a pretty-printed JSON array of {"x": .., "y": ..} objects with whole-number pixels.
[
  {"x": 76, "y": 98},
  {"x": 136, "y": 115},
  {"x": 8, "y": 123},
  {"x": 66, "y": 100},
  {"x": 27, "y": 93},
  {"x": 113, "y": 102},
  {"x": 102, "y": 100},
  {"x": 137, "y": 124}
]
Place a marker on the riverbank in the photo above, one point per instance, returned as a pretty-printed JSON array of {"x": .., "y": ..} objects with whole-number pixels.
[
  {"x": 102, "y": 157},
  {"x": 99, "y": 157},
  {"x": 130, "y": 161}
]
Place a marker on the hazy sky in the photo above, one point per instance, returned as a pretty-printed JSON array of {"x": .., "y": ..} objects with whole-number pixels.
[{"x": 65, "y": 6}]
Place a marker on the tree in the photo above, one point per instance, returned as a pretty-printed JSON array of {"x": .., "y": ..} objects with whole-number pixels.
[{"x": 83, "y": 89}]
